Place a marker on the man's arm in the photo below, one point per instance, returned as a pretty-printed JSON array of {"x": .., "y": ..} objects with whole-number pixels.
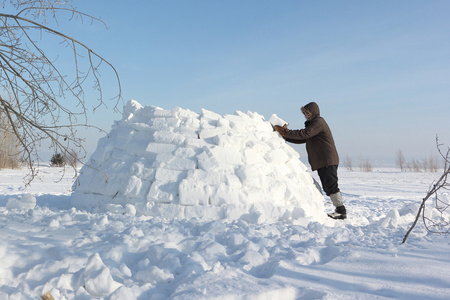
[
  {"x": 294, "y": 141},
  {"x": 312, "y": 129}
]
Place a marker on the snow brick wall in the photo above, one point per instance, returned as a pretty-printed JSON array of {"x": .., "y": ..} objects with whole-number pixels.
[{"x": 180, "y": 164}]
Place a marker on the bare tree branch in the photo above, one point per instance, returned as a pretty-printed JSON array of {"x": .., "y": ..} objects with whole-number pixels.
[
  {"x": 435, "y": 225},
  {"x": 39, "y": 101}
]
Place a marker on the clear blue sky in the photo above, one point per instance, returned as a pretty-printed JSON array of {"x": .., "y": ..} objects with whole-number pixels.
[{"x": 379, "y": 70}]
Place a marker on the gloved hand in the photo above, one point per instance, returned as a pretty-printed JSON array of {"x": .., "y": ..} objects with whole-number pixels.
[{"x": 281, "y": 130}]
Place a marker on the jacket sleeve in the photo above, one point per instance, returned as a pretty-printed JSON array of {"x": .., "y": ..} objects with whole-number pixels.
[
  {"x": 294, "y": 141},
  {"x": 312, "y": 129}
]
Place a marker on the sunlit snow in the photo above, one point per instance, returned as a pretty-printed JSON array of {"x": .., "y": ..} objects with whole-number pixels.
[{"x": 130, "y": 237}]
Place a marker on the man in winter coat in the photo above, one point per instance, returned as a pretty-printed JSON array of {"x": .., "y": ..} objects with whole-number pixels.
[{"x": 322, "y": 154}]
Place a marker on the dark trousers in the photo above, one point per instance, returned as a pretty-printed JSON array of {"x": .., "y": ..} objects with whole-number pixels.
[{"x": 328, "y": 177}]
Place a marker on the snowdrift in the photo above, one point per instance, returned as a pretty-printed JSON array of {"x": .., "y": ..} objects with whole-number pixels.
[{"x": 180, "y": 164}]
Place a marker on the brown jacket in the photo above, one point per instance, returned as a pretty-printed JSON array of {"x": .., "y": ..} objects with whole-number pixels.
[{"x": 318, "y": 138}]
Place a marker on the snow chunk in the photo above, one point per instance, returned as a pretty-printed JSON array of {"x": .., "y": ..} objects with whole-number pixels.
[
  {"x": 26, "y": 201},
  {"x": 98, "y": 281}
]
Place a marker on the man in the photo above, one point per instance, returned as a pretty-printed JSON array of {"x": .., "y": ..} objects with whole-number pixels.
[{"x": 322, "y": 154}]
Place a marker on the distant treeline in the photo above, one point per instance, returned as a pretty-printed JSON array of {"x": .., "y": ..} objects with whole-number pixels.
[{"x": 430, "y": 164}]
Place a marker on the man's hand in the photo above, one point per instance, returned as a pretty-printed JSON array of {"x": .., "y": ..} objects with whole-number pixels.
[{"x": 281, "y": 130}]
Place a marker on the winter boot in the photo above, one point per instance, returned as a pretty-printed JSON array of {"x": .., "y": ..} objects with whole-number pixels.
[{"x": 340, "y": 213}]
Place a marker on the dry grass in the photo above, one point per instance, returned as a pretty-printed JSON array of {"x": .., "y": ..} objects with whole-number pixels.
[{"x": 9, "y": 150}]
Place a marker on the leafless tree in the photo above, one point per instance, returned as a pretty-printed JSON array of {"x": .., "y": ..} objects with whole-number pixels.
[
  {"x": 400, "y": 160},
  {"x": 365, "y": 165},
  {"x": 439, "y": 202},
  {"x": 348, "y": 163},
  {"x": 431, "y": 164},
  {"x": 41, "y": 100},
  {"x": 415, "y": 166},
  {"x": 72, "y": 158}
]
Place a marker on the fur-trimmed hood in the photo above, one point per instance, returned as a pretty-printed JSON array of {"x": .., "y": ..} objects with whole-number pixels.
[{"x": 313, "y": 109}]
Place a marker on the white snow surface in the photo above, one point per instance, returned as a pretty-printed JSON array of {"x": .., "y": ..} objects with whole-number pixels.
[
  {"x": 180, "y": 164},
  {"x": 200, "y": 206},
  {"x": 75, "y": 254}
]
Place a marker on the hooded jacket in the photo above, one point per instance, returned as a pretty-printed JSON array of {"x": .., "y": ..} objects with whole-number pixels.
[{"x": 318, "y": 138}]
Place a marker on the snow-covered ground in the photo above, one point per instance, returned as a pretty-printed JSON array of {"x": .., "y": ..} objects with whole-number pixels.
[
  {"x": 46, "y": 245},
  {"x": 204, "y": 206}
]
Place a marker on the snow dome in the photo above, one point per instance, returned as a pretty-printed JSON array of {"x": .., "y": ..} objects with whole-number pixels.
[{"x": 180, "y": 164}]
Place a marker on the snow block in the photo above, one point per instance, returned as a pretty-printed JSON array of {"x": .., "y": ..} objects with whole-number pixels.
[
  {"x": 136, "y": 187},
  {"x": 275, "y": 120},
  {"x": 194, "y": 192},
  {"x": 160, "y": 148}
]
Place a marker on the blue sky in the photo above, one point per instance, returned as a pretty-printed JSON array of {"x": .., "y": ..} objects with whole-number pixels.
[{"x": 379, "y": 70}]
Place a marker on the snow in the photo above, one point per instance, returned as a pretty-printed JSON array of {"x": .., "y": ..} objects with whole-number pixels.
[
  {"x": 180, "y": 164},
  {"x": 111, "y": 249},
  {"x": 76, "y": 254}
]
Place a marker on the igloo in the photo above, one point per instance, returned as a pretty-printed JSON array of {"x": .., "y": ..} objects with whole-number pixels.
[{"x": 181, "y": 164}]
